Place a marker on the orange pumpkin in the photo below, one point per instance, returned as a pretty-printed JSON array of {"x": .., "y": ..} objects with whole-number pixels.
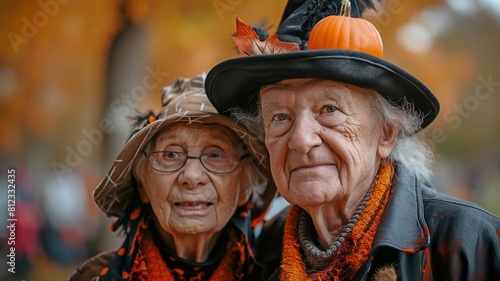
[{"x": 345, "y": 32}]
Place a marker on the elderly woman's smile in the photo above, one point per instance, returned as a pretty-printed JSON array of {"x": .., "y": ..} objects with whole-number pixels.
[
  {"x": 191, "y": 199},
  {"x": 192, "y": 205},
  {"x": 186, "y": 188}
]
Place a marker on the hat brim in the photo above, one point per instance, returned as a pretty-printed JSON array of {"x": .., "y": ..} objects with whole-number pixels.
[
  {"x": 236, "y": 82},
  {"x": 114, "y": 191}
]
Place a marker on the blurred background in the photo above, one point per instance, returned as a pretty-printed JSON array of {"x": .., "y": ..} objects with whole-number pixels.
[{"x": 72, "y": 72}]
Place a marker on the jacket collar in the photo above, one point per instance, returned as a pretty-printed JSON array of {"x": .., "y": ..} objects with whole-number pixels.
[{"x": 403, "y": 225}]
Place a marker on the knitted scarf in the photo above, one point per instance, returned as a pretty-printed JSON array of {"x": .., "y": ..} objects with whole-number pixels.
[
  {"x": 140, "y": 259},
  {"x": 350, "y": 255}
]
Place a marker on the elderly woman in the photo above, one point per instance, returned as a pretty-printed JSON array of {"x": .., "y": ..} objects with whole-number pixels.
[
  {"x": 185, "y": 187},
  {"x": 341, "y": 127}
]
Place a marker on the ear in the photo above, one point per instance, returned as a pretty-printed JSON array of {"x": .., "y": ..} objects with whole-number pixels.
[
  {"x": 143, "y": 195},
  {"x": 387, "y": 141},
  {"x": 245, "y": 188},
  {"x": 244, "y": 196}
]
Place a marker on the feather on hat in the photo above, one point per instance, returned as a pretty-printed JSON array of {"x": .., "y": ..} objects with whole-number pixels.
[{"x": 235, "y": 83}]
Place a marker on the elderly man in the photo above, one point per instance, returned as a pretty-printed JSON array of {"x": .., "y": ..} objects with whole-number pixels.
[{"x": 342, "y": 126}]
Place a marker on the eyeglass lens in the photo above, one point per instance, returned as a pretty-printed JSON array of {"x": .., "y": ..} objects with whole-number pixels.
[{"x": 170, "y": 161}]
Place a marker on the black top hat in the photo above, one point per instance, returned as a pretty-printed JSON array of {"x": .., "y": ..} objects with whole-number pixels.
[{"x": 236, "y": 82}]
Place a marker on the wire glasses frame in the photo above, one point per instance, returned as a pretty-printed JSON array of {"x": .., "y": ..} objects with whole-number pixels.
[{"x": 172, "y": 161}]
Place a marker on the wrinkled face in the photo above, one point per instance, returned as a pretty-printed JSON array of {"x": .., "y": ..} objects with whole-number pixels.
[
  {"x": 324, "y": 141},
  {"x": 192, "y": 199}
]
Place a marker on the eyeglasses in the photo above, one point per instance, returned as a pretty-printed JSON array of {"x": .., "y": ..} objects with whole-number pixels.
[{"x": 172, "y": 161}]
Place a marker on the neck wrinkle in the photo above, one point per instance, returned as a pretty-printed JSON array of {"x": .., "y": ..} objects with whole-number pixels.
[
  {"x": 330, "y": 219},
  {"x": 191, "y": 247},
  {"x": 317, "y": 255}
]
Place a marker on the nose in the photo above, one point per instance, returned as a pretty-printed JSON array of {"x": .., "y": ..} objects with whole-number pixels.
[
  {"x": 193, "y": 174},
  {"x": 304, "y": 133}
]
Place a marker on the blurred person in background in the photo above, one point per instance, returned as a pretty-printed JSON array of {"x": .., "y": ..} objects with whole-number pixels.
[
  {"x": 342, "y": 126},
  {"x": 185, "y": 188},
  {"x": 65, "y": 231}
]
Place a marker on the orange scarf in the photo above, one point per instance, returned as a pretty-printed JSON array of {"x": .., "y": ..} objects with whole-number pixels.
[
  {"x": 149, "y": 264},
  {"x": 140, "y": 259},
  {"x": 353, "y": 252}
]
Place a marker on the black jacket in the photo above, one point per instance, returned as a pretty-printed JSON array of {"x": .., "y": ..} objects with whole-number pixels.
[{"x": 423, "y": 234}]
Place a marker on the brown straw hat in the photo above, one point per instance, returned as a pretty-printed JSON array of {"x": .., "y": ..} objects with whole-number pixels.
[{"x": 184, "y": 101}]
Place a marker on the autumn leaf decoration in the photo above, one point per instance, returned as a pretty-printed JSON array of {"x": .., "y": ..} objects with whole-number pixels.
[{"x": 248, "y": 43}]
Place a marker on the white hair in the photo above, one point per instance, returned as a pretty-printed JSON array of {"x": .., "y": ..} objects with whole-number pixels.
[{"x": 410, "y": 149}]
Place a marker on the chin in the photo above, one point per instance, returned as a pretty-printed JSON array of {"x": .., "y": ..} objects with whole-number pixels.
[
  {"x": 315, "y": 191},
  {"x": 307, "y": 199}
]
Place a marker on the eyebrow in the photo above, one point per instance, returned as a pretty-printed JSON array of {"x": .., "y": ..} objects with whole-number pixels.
[{"x": 268, "y": 107}]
